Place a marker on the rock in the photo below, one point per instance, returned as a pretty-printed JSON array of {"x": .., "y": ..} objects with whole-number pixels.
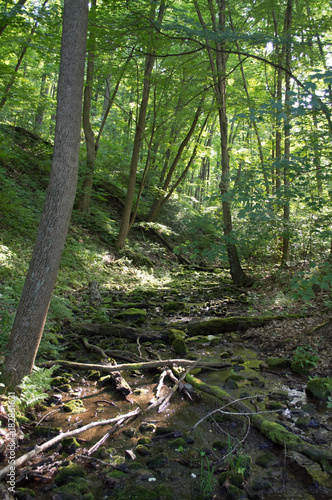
[
  {"x": 319, "y": 387},
  {"x": 70, "y": 444},
  {"x": 260, "y": 484},
  {"x": 74, "y": 406},
  {"x": 278, "y": 363},
  {"x": 159, "y": 460},
  {"x": 230, "y": 384},
  {"x": 147, "y": 427},
  {"x": 266, "y": 460},
  {"x": 143, "y": 450},
  {"x": 68, "y": 472},
  {"x": 279, "y": 395},
  {"x": 134, "y": 315}
]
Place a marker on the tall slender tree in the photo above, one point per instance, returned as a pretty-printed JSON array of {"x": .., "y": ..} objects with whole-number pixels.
[{"x": 37, "y": 292}]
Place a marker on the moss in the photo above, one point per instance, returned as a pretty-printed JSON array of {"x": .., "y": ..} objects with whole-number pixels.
[
  {"x": 68, "y": 472},
  {"x": 132, "y": 314},
  {"x": 22, "y": 419},
  {"x": 175, "y": 443},
  {"x": 143, "y": 450},
  {"x": 58, "y": 381},
  {"x": 144, "y": 440},
  {"x": 320, "y": 388},
  {"x": 173, "y": 306},
  {"x": 265, "y": 460},
  {"x": 74, "y": 406},
  {"x": 46, "y": 431},
  {"x": 116, "y": 474},
  {"x": 174, "y": 334},
  {"x": 279, "y": 435},
  {"x": 93, "y": 375},
  {"x": 74, "y": 487},
  {"x": 70, "y": 444},
  {"x": 278, "y": 363},
  {"x": 179, "y": 347},
  {"x": 137, "y": 493},
  {"x": 299, "y": 367},
  {"x": 26, "y": 492},
  {"x": 159, "y": 460}
]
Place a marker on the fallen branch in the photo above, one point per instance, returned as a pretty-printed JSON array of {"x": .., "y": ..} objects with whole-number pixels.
[
  {"x": 272, "y": 430},
  {"x": 48, "y": 444},
  {"x": 138, "y": 366}
]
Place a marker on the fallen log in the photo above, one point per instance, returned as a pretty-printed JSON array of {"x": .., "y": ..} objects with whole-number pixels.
[
  {"x": 211, "y": 326},
  {"x": 138, "y": 366},
  {"x": 48, "y": 444},
  {"x": 272, "y": 430}
]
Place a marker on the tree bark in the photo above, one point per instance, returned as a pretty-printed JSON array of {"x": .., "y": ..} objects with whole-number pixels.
[
  {"x": 84, "y": 202},
  {"x": 37, "y": 292}
]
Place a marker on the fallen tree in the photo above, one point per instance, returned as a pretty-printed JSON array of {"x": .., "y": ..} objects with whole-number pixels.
[
  {"x": 272, "y": 430},
  {"x": 138, "y": 366}
]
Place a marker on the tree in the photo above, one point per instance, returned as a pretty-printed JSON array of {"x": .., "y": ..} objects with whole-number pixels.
[{"x": 37, "y": 291}]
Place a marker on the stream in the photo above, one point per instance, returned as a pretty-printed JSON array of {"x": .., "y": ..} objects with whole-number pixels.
[{"x": 197, "y": 447}]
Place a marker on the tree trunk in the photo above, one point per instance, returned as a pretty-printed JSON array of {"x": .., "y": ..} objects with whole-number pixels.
[
  {"x": 287, "y": 34},
  {"x": 84, "y": 202},
  {"x": 37, "y": 292}
]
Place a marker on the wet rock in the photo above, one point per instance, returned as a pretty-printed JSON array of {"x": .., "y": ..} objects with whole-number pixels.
[
  {"x": 231, "y": 384},
  {"x": 279, "y": 395},
  {"x": 237, "y": 368},
  {"x": 278, "y": 363},
  {"x": 258, "y": 383}
]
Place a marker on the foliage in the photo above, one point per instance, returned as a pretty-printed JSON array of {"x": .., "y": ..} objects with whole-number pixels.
[
  {"x": 315, "y": 277},
  {"x": 306, "y": 357},
  {"x": 34, "y": 387},
  {"x": 207, "y": 479}
]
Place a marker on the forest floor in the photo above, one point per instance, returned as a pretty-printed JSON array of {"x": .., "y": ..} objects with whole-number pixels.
[{"x": 192, "y": 448}]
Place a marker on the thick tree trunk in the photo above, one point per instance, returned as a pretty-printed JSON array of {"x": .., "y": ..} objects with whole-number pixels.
[{"x": 37, "y": 292}]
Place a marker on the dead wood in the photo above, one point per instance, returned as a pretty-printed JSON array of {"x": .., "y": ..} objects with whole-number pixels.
[
  {"x": 48, "y": 444},
  {"x": 205, "y": 326},
  {"x": 120, "y": 384},
  {"x": 138, "y": 366},
  {"x": 272, "y": 430}
]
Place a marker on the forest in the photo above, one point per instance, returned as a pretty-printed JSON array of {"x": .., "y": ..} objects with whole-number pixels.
[{"x": 165, "y": 249}]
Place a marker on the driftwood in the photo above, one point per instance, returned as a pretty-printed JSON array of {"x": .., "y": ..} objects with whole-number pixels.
[
  {"x": 272, "y": 430},
  {"x": 138, "y": 366},
  {"x": 48, "y": 444}
]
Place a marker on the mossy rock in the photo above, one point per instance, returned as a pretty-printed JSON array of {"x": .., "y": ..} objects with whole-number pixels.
[
  {"x": 68, "y": 472},
  {"x": 134, "y": 315},
  {"x": 278, "y": 363},
  {"x": 266, "y": 460},
  {"x": 74, "y": 406},
  {"x": 70, "y": 444},
  {"x": 320, "y": 388},
  {"x": 279, "y": 395},
  {"x": 176, "y": 443},
  {"x": 144, "y": 440},
  {"x": 220, "y": 445},
  {"x": 147, "y": 427},
  {"x": 174, "y": 334},
  {"x": 173, "y": 306},
  {"x": 235, "y": 376},
  {"x": 143, "y": 450},
  {"x": 179, "y": 347},
  {"x": 117, "y": 474},
  {"x": 59, "y": 381},
  {"x": 46, "y": 431},
  {"x": 76, "y": 487},
  {"x": 260, "y": 484}
]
